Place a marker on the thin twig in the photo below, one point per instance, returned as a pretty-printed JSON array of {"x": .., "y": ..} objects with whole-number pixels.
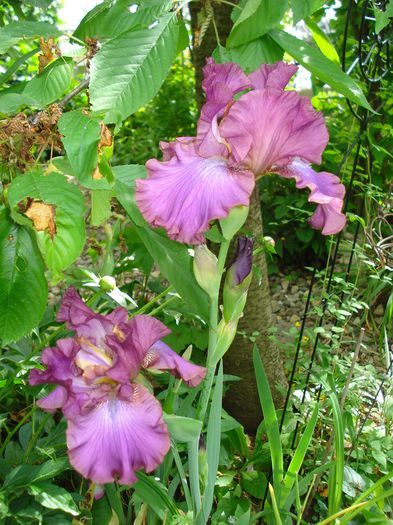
[{"x": 83, "y": 85}]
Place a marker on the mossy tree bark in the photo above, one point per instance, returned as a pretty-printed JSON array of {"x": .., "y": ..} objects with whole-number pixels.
[{"x": 241, "y": 400}]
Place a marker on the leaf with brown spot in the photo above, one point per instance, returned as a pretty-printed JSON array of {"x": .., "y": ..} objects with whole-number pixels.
[
  {"x": 43, "y": 217},
  {"x": 106, "y": 137}
]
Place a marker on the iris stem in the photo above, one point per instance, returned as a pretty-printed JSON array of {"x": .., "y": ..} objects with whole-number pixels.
[
  {"x": 153, "y": 301},
  {"x": 213, "y": 323}
]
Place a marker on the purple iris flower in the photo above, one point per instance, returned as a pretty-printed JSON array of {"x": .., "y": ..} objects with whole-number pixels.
[
  {"x": 265, "y": 130},
  {"x": 115, "y": 425}
]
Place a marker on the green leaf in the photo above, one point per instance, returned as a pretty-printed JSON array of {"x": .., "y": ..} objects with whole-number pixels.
[
  {"x": 298, "y": 457},
  {"x": 322, "y": 41},
  {"x": 108, "y": 20},
  {"x": 270, "y": 420},
  {"x": 172, "y": 257},
  {"x": 155, "y": 495},
  {"x": 53, "y": 497},
  {"x": 65, "y": 245},
  {"x": 303, "y": 8},
  {"x": 129, "y": 69},
  {"x": 23, "y": 287},
  {"x": 336, "y": 477},
  {"x": 256, "y": 19},
  {"x": 183, "y": 429},
  {"x": 81, "y": 136},
  {"x": 250, "y": 56},
  {"x": 213, "y": 440},
  {"x": 12, "y": 33},
  {"x": 320, "y": 66},
  {"x": 382, "y": 18},
  {"x": 51, "y": 83},
  {"x": 100, "y": 206},
  {"x": 24, "y": 475}
]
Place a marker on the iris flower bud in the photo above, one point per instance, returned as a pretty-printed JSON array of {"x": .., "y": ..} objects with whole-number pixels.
[
  {"x": 234, "y": 221},
  {"x": 238, "y": 280},
  {"x": 206, "y": 270}
]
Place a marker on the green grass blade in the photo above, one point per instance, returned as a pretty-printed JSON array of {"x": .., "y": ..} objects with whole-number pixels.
[
  {"x": 154, "y": 494},
  {"x": 213, "y": 440},
  {"x": 271, "y": 423},
  {"x": 336, "y": 479},
  {"x": 298, "y": 457},
  {"x": 275, "y": 507},
  {"x": 193, "y": 472}
]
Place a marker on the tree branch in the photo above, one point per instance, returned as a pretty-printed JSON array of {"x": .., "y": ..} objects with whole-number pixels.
[{"x": 83, "y": 85}]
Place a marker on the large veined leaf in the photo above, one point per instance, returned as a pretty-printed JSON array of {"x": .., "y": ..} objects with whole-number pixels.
[
  {"x": 108, "y": 20},
  {"x": 303, "y": 8},
  {"x": 81, "y": 136},
  {"x": 129, "y": 69},
  {"x": 172, "y": 257},
  {"x": 256, "y": 19},
  {"x": 53, "y": 497},
  {"x": 250, "y": 56},
  {"x": 322, "y": 41},
  {"x": 23, "y": 287},
  {"x": 40, "y": 90},
  {"x": 59, "y": 205},
  {"x": 12, "y": 33},
  {"x": 52, "y": 83},
  {"x": 320, "y": 66}
]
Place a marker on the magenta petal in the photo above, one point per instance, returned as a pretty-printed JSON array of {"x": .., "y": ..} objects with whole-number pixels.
[
  {"x": 185, "y": 193},
  {"x": 272, "y": 75},
  {"x": 326, "y": 190},
  {"x": 59, "y": 364},
  {"x": 221, "y": 82},
  {"x": 118, "y": 437},
  {"x": 54, "y": 400},
  {"x": 161, "y": 357},
  {"x": 130, "y": 353},
  {"x": 271, "y": 127},
  {"x": 86, "y": 323}
]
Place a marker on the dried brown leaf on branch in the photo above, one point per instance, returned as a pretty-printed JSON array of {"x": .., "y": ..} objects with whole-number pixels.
[{"x": 43, "y": 216}]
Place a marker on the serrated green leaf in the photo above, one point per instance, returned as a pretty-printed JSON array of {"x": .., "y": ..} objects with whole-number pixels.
[
  {"x": 12, "y": 33},
  {"x": 172, "y": 257},
  {"x": 320, "y": 66},
  {"x": 303, "y": 8},
  {"x": 53, "y": 497},
  {"x": 23, "y": 287},
  {"x": 129, "y": 69},
  {"x": 53, "y": 189},
  {"x": 256, "y": 19},
  {"x": 108, "y": 20},
  {"x": 322, "y": 41},
  {"x": 250, "y": 56},
  {"x": 81, "y": 136},
  {"x": 51, "y": 83}
]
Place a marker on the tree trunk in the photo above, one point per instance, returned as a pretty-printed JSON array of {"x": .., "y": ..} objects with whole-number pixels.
[{"x": 242, "y": 401}]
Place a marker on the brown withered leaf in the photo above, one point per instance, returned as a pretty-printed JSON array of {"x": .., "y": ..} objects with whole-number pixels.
[
  {"x": 106, "y": 137},
  {"x": 43, "y": 217},
  {"x": 48, "y": 47},
  {"x": 97, "y": 175}
]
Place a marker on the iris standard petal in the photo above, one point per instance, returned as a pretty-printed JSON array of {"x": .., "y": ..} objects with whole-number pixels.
[
  {"x": 185, "y": 193},
  {"x": 130, "y": 352},
  {"x": 119, "y": 436},
  {"x": 221, "y": 82},
  {"x": 272, "y": 75},
  {"x": 162, "y": 357},
  {"x": 59, "y": 362},
  {"x": 326, "y": 190},
  {"x": 271, "y": 127}
]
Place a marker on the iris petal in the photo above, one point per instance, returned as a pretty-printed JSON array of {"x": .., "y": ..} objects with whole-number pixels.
[
  {"x": 118, "y": 437},
  {"x": 187, "y": 192},
  {"x": 161, "y": 357},
  {"x": 326, "y": 190}
]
